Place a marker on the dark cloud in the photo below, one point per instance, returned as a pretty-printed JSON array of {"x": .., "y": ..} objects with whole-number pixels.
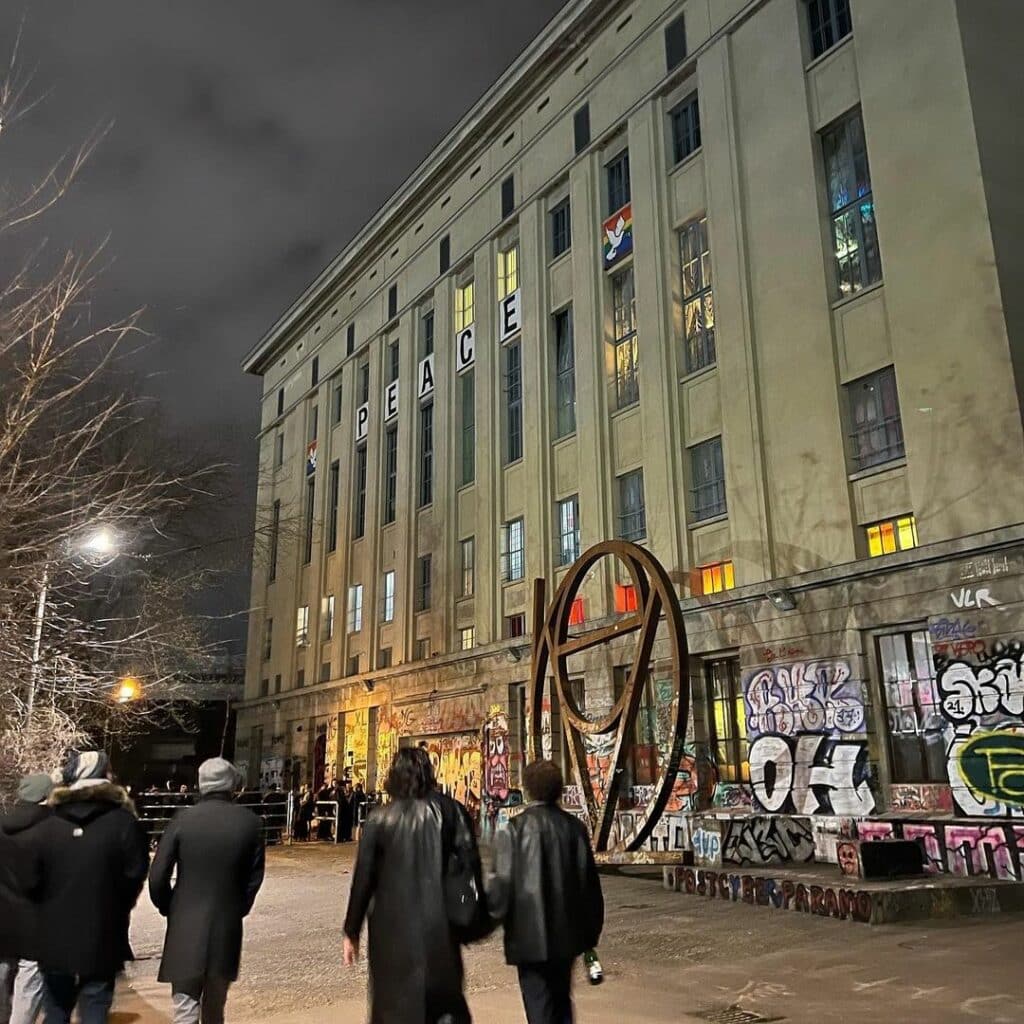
[{"x": 251, "y": 139}]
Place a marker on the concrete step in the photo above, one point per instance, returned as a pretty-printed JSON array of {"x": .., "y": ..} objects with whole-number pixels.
[{"x": 821, "y": 891}]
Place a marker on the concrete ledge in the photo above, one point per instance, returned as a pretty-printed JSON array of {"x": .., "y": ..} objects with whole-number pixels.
[{"x": 823, "y": 894}]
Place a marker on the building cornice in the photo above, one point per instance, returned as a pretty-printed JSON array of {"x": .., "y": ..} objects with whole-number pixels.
[{"x": 555, "y": 42}]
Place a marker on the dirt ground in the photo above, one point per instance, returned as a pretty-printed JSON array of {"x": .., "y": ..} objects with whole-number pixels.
[{"x": 669, "y": 958}]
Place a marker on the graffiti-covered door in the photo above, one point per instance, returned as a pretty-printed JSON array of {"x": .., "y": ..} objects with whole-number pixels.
[{"x": 458, "y": 767}]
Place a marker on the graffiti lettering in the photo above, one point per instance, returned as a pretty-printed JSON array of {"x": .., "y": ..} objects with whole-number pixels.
[
  {"x": 920, "y": 798},
  {"x": 757, "y": 840},
  {"x": 952, "y": 629},
  {"x": 979, "y": 598},
  {"x": 994, "y": 851},
  {"x": 707, "y": 844},
  {"x": 981, "y": 568},
  {"x": 781, "y": 653},
  {"x": 812, "y": 696},
  {"x": 824, "y": 901},
  {"x": 992, "y": 766},
  {"x": 809, "y": 774},
  {"x": 970, "y": 692}
]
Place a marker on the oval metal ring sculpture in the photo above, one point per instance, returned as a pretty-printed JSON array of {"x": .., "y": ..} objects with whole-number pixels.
[{"x": 553, "y": 646}]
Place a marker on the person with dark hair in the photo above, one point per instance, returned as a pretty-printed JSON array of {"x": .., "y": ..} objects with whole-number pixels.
[
  {"x": 90, "y": 859},
  {"x": 214, "y": 854},
  {"x": 404, "y": 858},
  {"x": 546, "y": 891}
]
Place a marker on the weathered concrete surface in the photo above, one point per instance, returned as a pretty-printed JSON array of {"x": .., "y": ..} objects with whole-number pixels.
[{"x": 667, "y": 959}]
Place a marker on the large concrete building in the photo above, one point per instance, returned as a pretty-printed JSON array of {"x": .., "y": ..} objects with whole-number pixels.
[{"x": 734, "y": 279}]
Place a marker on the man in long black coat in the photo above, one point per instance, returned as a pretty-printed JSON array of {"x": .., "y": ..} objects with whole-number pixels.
[
  {"x": 416, "y": 973},
  {"x": 90, "y": 858},
  {"x": 546, "y": 890},
  {"x": 218, "y": 851}
]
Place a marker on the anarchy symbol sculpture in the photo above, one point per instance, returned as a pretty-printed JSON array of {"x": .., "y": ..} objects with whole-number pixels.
[{"x": 553, "y": 646}]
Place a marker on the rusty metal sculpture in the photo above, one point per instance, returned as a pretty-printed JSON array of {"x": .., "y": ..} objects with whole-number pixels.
[{"x": 553, "y": 645}]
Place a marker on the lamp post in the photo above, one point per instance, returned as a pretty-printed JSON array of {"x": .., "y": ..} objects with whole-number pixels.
[{"x": 100, "y": 543}]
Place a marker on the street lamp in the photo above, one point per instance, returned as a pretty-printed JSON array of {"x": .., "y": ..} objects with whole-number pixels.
[
  {"x": 99, "y": 543},
  {"x": 129, "y": 689}
]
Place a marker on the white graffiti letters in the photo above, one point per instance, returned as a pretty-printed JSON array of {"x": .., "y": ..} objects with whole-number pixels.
[
  {"x": 811, "y": 696},
  {"x": 810, "y": 774},
  {"x": 968, "y": 598},
  {"x": 970, "y": 692}
]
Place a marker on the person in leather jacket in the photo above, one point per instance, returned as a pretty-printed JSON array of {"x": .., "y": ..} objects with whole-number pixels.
[
  {"x": 416, "y": 973},
  {"x": 546, "y": 891}
]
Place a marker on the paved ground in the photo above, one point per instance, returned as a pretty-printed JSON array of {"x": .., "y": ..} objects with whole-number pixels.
[{"x": 668, "y": 957}]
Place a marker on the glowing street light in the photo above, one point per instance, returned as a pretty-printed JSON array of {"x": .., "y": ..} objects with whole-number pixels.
[
  {"x": 129, "y": 689},
  {"x": 101, "y": 542}
]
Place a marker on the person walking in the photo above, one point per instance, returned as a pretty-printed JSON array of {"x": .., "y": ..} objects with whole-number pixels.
[
  {"x": 546, "y": 891},
  {"x": 400, "y": 881},
  {"x": 89, "y": 864},
  {"x": 215, "y": 848},
  {"x": 21, "y": 997}
]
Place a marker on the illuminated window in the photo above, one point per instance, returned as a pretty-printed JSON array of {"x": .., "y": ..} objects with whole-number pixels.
[
  {"x": 577, "y": 613},
  {"x": 508, "y": 271},
  {"x": 851, "y": 206},
  {"x": 355, "y": 608},
  {"x": 625, "y": 598},
  {"x": 698, "y": 302},
  {"x": 727, "y": 723},
  {"x": 627, "y": 350},
  {"x": 463, "y": 306},
  {"x": 302, "y": 626},
  {"x": 892, "y": 535},
  {"x": 466, "y": 571},
  {"x": 388, "y": 603},
  {"x": 467, "y": 638},
  {"x": 327, "y": 618},
  {"x": 876, "y": 433},
  {"x": 715, "y": 578},
  {"x": 829, "y": 23},
  {"x": 569, "y": 530}
]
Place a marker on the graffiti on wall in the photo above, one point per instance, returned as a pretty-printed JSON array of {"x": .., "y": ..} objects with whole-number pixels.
[
  {"x": 982, "y": 704},
  {"x": 388, "y": 733},
  {"x": 759, "y": 840},
  {"x": 785, "y": 894},
  {"x": 458, "y": 766},
  {"x": 811, "y": 774},
  {"x": 356, "y": 743},
  {"x": 498, "y": 795},
  {"x": 958, "y": 848},
  {"x": 439, "y": 715},
  {"x": 804, "y": 697}
]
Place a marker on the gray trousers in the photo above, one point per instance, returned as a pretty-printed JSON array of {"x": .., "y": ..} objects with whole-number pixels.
[
  {"x": 200, "y": 1001},
  {"x": 21, "y": 992}
]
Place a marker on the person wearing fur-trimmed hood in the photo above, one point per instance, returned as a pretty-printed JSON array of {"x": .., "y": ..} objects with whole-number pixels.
[{"x": 89, "y": 864}]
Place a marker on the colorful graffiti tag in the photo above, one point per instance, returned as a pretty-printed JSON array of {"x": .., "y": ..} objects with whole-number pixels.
[
  {"x": 982, "y": 703},
  {"x": 812, "y": 696},
  {"x": 958, "y": 848},
  {"x": 811, "y": 774},
  {"x": 458, "y": 766}
]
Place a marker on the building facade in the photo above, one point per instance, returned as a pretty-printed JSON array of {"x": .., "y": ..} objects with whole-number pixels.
[{"x": 732, "y": 279}]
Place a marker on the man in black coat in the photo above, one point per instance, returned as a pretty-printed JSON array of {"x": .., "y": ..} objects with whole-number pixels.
[
  {"x": 416, "y": 973},
  {"x": 546, "y": 890},
  {"x": 22, "y": 989},
  {"x": 217, "y": 848},
  {"x": 90, "y": 859}
]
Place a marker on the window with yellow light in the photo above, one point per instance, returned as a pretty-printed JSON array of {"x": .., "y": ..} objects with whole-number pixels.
[
  {"x": 714, "y": 578},
  {"x": 892, "y": 535},
  {"x": 463, "y": 306},
  {"x": 508, "y": 271}
]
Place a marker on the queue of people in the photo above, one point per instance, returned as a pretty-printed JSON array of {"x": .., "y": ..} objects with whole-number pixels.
[
  {"x": 73, "y": 863},
  {"x": 336, "y": 811},
  {"x": 74, "y": 860}
]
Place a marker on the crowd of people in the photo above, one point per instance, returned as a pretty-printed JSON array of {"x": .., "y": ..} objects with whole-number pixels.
[
  {"x": 74, "y": 860},
  {"x": 334, "y": 811}
]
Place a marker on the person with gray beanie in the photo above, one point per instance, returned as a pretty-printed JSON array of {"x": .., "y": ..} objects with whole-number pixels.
[
  {"x": 217, "y": 849},
  {"x": 21, "y": 984},
  {"x": 90, "y": 858}
]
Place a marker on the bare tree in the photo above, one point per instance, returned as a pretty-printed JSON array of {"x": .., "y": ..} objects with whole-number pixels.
[{"x": 99, "y": 555}]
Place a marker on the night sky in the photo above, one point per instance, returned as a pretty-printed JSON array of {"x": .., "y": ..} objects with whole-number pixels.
[{"x": 251, "y": 140}]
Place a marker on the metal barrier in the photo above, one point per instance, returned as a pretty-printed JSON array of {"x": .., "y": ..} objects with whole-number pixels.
[{"x": 156, "y": 810}]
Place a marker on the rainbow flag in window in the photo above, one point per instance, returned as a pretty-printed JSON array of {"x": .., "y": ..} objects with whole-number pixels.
[{"x": 618, "y": 235}]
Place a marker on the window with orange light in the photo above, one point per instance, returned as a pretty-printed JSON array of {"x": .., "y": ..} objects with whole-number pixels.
[
  {"x": 625, "y": 598},
  {"x": 577, "y": 614},
  {"x": 892, "y": 535},
  {"x": 714, "y": 578}
]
